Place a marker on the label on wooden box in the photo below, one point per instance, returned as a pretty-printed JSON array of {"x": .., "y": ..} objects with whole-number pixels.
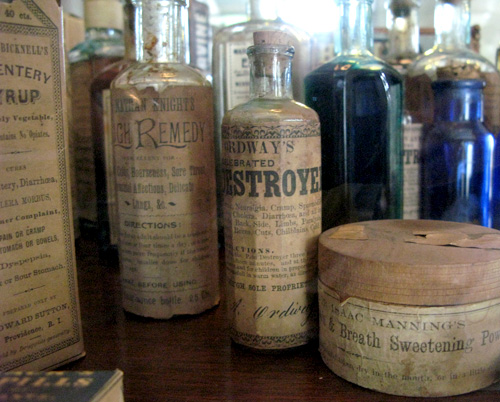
[
  {"x": 411, "y": 307},
  {"x": 40, "y": 323},
  {"x": 408, "y": 350}
]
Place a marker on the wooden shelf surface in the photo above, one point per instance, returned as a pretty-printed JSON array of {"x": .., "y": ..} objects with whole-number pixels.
[{"x": 193, "y": 359}]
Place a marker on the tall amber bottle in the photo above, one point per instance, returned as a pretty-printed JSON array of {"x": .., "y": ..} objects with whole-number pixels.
[
  {"x": 162, "y": 124},
  {"x": 271, "y": 164}
]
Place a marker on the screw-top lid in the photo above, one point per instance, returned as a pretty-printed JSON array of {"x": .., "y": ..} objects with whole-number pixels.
[
  {"x": 411, "y": 262},
  {"x": 104, "y": 14}
]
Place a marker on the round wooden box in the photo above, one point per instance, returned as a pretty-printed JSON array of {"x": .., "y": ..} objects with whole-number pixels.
[{"x": 411, "y": 307}]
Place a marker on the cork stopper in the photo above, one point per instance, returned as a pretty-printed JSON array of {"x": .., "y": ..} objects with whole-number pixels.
[
  {"x": 272, "y": 38},
  {"x": 104, "y": 14}
]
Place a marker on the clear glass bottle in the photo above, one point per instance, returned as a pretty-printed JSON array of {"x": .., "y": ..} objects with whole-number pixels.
[
  {"x": 359, "y": 101},
  {"x": 103, "y": 45},
  {"x": 162, "y": 124},
  {"x": 457, "y": 156},
  {"x": 231, "y": 69},
  {"x": 403, "y": 49},
  {"x": 107, "y": 213},
  {"x": 404, "y": 33},
  {"x": 272, "y": 205},
  {"x": 451, "y": 58}
]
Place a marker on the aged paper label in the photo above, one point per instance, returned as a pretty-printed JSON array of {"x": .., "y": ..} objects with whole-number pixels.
[
  {"x": 165, "y": 182},
  {"x": 412, "y": 136},
  {"x": 39, "y": 311},
  {"x": 238, "y": 73},
  {"x": 410, "y": 350},
  {"x": 272, "y": 219},
  {"x": 81, "y": 77}
]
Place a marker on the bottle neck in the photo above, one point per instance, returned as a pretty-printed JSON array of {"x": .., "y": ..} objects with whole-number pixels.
[
  {"x": 403, "y": 27},
  {"x": 129, "y": 30},
  {"x": 458, "y": 101},
  {"x": 452, "y": 24},
  {"x": 262, "y": 10},
  {"x": 160, "y": 27},
  {"x": 355, "y": 30},
  {"x": 270, "y": 71}
]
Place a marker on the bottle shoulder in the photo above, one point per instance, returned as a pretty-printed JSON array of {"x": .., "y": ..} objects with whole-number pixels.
[
  {"x": 96, "y": 48},
  {"x": 159, "y": 76},
  {"x": 349, "y": 64},
  {"x": 439, "y": 59},
  {"x": 457, "y": 131},
  {"x": 108, "y": 74},
  {"x": 273, "y": 111}
]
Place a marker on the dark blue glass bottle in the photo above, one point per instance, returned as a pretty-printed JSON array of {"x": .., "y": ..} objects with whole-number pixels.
[
  {"x": 457, "y": 156},
  {"x": 358, "y": 98},
  {"x": 496, "y": 185}
]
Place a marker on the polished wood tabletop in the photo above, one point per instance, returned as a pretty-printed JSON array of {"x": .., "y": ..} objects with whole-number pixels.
[{"x": 193, "y": 359}]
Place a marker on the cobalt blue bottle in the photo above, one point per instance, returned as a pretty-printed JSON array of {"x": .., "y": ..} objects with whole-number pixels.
[
  {"x": 496, "y": 186},
  {"x": 458, "y": 156},
  {"x": 358, "y": 98}
]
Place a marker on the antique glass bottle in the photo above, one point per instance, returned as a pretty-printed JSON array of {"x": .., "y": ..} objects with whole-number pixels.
[
  {"x": 162, "y": 124},
  {"x": 457, "y": 156},
  {"x": 359, "y": 101},
  {"x": 107, "y": 213},
  {"x": 272, "y": 205},
  {"x": 231, "y": 69},
  {"x": 404, "y": 33},
  {"x": 103, "y": 45},
  {"x": 404, "y": 47},
  {"x": 451, "y": 58}
]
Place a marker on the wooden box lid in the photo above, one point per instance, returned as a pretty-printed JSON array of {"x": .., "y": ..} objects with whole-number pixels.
[{"x": 411, "y": 262}]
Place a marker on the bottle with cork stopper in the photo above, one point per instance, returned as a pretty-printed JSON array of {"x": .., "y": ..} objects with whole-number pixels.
[{"x": 271, "y": 164}]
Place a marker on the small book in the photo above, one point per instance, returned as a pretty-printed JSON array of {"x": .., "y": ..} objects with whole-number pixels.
[{"x": 62, "y": 386}]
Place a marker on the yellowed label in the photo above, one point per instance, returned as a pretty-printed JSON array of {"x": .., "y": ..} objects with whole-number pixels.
[
  {"x": 237, "y": 73},
  {"x": 412, "y": 137},
  {"x": 492, "y": 101},
  {"x": 39, "y": 311},
  {"x": 272, "y": 218},
  {"x": 165, "y": 182},
  {"x": 81, "y": 77},
  {"x": 408, "y": 350}
]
